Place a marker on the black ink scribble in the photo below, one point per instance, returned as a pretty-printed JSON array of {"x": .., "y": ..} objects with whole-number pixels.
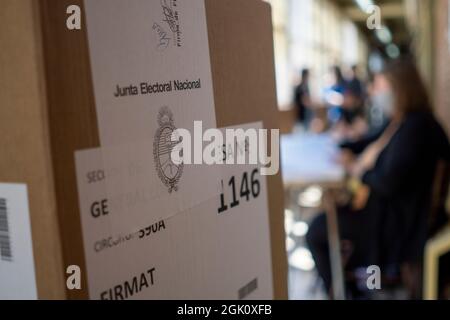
[
  {"x": 169, "y": 16},
  {"x": 164, "y": 39}
]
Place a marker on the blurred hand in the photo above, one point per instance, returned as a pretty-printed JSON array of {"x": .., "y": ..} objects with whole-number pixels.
[
  {"x": 360, "y": 198},
  {"x": 367, "y": 160}
]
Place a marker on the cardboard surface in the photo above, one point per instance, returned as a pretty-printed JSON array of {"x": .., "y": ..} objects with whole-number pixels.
[
  {"x": 241, "y": 43},
  {"x": 24, "y": 136},
  {"x": 43, "y": 128}
]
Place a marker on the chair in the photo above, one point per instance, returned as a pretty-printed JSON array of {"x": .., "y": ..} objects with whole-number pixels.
[
  {"x": 439, "y": 242},
  {"x": 436, "y": 248},
  {"x": 412, "y": 274}
]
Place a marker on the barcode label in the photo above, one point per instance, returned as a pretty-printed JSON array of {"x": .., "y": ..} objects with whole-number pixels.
[
  {"x": 17, "y": 276},
  {"x": 5, "y": 239}
]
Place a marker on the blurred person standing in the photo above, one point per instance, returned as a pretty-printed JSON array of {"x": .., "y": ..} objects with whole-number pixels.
[
  {"x": 356, "y": 85},
  {"x": 386, "y": 222},
  {"x": 302, "y": 99}
]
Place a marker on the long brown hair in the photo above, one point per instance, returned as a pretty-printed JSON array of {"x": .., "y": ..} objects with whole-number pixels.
[{"x": 408, "y": 87}]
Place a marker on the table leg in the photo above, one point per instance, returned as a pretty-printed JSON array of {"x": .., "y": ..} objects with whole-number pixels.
[{"x": 335, "y": 246}]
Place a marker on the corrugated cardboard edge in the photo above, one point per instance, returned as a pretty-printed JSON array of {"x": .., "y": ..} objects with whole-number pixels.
[{"x": 73, "y": 120}]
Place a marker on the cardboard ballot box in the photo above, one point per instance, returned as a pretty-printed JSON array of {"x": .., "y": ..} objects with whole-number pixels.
[{"x": 84, "y": 118}]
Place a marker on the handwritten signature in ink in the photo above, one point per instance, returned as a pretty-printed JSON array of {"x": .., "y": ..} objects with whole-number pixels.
[
  {"x": 164, "y": 39},
  {"x": 169, "y": 15}
]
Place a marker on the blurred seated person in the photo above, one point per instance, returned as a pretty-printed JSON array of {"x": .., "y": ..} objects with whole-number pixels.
[
  {"x": 346, "y": 102},
  {"x": 351, "y": 124},
  {"x": 354, "y": 97},
  {"x": 355, "y": 84},
  {"x": 385, "y": 223},
  {"x": 334, "y": 94},
  {"x": 302, "y": 99},
  {"x": 381, "y": 104}
]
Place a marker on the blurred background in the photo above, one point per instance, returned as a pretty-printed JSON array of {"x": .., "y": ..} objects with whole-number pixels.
[
  {"x": 317, "y": 34},
  {"x": 332, "y": 57}
]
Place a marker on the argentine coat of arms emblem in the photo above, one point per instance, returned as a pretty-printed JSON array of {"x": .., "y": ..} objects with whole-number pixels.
[{"x": 168, "y": 171}]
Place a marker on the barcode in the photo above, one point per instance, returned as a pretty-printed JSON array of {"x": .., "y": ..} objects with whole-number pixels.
[
  {"x": 248, "y": 289},
  {"x": 5, "y": 240}
]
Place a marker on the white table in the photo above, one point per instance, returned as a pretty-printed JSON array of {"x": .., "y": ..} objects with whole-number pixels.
[{"x": 307, "y": 160}]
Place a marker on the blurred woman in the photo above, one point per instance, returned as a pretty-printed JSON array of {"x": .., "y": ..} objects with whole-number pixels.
[{"x": 385, "y": 224}]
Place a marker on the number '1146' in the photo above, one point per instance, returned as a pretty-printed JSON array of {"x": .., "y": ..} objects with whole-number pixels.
[{"x": 248, "y": 187}]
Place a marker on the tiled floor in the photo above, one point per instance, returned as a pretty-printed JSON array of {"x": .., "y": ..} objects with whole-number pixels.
[{"x": 304, "y": 283}]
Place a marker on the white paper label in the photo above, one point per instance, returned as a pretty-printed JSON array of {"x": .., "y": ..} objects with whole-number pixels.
[
  {"x": 152, "y": 74},
  {"x": 219, "y": 249},
  {"x": 17, "y": 277}
]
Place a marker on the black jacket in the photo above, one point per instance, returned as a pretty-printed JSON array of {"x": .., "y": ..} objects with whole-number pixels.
[{"x": 401, "y": 184}]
